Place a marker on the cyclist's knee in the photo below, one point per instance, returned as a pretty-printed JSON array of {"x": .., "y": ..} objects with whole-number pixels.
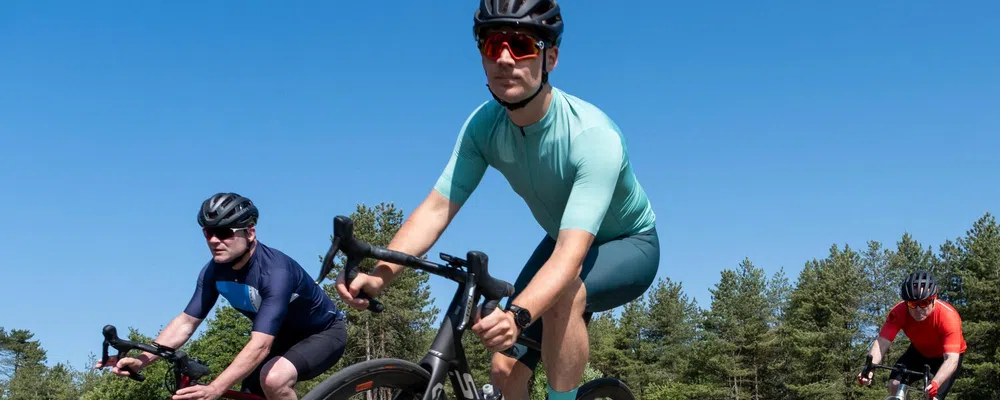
[
  {"x": 277, "y": 374},
  {"x": 509, "y": 374},
  {"x": 893, "y": 385},
  {"x": 500, "y": 368}
]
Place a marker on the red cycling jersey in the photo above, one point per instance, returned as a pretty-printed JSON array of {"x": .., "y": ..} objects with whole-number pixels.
[{"x": 939, "y": 333}]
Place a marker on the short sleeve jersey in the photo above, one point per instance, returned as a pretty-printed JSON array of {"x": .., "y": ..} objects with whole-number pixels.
[
  {"x": 939, "y": 333},
  {"x": 571, "y": 168},
  {"x": 273, "y": 290}
]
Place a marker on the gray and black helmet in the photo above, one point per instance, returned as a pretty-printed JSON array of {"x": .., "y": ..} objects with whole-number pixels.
[
  {"x": 227, "y": 210},
  {"x": 541, "y": 16},
  {"x": 918, "y": 286}
]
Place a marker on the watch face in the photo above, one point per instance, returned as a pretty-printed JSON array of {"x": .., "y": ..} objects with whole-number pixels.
[{"x": 523, "y": 318}]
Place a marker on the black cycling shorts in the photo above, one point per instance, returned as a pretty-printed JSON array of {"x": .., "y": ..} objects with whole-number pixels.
[
  {"x": 914, "y": 361},
  {"x": 311, "y": 355},
  {"x": 614, "y": 273}
]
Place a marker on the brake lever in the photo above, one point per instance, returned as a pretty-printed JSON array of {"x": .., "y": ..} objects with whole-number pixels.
[
  {"x": 327, "y": 264},
  {"x": 868, "y": 366},
  {"x": 104, "y": 353},
  {"x": 468, "y": 301}
]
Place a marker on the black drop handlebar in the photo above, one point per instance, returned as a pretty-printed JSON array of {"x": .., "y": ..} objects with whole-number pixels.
[
  {"x": 899, "y": 368},
  {"x": 193, "y": 368},
  {"x": 476, "y": 275}
]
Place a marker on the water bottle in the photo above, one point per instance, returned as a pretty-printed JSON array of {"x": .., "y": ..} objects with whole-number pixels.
[{"x": 490, "y": 393}]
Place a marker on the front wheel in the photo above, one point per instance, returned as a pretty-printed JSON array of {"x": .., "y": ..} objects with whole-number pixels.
[
  {"x": 385, "y": 378},
  {"x": 604, "y": 388}
]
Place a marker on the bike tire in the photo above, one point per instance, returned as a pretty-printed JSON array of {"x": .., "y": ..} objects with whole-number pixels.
[
  {"x": 604, "y": 388},
  {"x": 385, "y": 373}
]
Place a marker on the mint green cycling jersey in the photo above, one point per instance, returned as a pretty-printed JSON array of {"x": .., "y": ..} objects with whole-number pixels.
[{"x": 571, "y": 168}]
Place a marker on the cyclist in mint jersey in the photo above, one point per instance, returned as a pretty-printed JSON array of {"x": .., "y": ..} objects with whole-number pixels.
[
  {"x": 570, "y": 164},
  {"x": 297, "y": 332}
]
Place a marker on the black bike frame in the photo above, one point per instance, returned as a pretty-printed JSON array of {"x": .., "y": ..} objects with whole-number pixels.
[{"x": 447, "y": 355}]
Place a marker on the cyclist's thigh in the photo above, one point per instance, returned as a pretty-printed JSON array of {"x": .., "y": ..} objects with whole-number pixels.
[
  {"x": 946, "y": 386},
  {"x": 621, "y": 270},
  {"x": 318, "y": 352},
  {"x": 614, "y": 272}
]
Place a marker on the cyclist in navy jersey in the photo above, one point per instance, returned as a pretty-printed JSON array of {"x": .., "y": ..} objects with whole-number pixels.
[{"x": 298, "y": 332}]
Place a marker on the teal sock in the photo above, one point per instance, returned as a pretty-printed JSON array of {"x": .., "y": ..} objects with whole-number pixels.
[{"x": 554, "y": 395}]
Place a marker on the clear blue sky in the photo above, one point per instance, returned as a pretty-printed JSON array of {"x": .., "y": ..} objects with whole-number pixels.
[{"x": 765, "y": 130}]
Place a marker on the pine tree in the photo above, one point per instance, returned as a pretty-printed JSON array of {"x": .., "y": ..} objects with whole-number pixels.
[
  {"x": 823, "y": 328},
  {"x": 979, "y": 277},
  {"x": 739, "y": 323},
  {"x": 671, "y": 330},
  {"x": 24, "y": 365}
]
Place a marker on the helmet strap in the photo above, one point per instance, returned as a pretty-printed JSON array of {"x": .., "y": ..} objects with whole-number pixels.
[
  {"x": 245, "y": 257},
  {"x": 520, "y": 104}
]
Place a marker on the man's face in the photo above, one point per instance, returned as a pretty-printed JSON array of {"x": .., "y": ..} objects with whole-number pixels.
[
  {"x": 513, "y": 63},
  {"x": 228, "y": 244},
  {"x": 920, "y": 310}
]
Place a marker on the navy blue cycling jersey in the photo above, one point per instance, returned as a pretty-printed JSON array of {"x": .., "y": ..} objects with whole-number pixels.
[{"x": 271, "y": 289}]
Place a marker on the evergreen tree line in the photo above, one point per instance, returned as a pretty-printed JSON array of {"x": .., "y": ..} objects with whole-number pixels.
[{"x": 761, "y": 337}]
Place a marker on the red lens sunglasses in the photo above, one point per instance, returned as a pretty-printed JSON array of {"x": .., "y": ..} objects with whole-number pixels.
[
  {"x": 922, "y": 303},
  {"x": 520, "y": 46}
]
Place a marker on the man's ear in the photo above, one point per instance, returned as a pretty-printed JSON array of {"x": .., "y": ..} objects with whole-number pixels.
[{"x": 552, "y": 58}]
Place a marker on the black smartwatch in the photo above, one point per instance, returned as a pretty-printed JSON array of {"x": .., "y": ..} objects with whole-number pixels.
[{"x": 522, "y": 317}]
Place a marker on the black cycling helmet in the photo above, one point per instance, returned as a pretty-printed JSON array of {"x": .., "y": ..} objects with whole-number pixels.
[
  {"x": 918, "y": 286},
  {"x": 227, "y": 210},
  {"x": 541, "y": 17}
]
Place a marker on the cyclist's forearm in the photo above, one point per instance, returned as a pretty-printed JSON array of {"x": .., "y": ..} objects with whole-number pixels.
[
  {"x": 552, "y": 279},
  {"x": 419, "y": 232},
  {"x": 878, "y": 350},
  {"x": 246, "y": 361},
  {"x": 948, "y": 367},
  {"x": 177, "y": 332},
  {"x": 543, "y": 290}
]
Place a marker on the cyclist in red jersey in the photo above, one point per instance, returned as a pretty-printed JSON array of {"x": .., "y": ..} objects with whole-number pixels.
[{"x": 935, "y": 332}]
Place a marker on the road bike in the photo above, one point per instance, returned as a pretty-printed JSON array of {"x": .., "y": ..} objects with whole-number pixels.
[
  {"x": 186, "y": 370},
  {"x": 903, "y": 375},
  {"x": 446, "y": 356}
]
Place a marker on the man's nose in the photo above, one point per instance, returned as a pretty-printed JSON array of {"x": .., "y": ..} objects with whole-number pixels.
[{"x": 506, "y": 57}]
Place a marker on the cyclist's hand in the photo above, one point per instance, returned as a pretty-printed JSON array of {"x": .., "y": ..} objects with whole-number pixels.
[
  {"x": 865, "y": 380},
  {"x": 198, "y": 392},
  {"x": 932, "y": 390},
  {"x": 372, "y": 285},
  {"x": 118, "y": 366},
  {"x": 497, "y": 330}
]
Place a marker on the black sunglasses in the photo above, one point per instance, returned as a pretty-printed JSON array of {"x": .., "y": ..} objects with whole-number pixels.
[{"x": 221, "y": 233}]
